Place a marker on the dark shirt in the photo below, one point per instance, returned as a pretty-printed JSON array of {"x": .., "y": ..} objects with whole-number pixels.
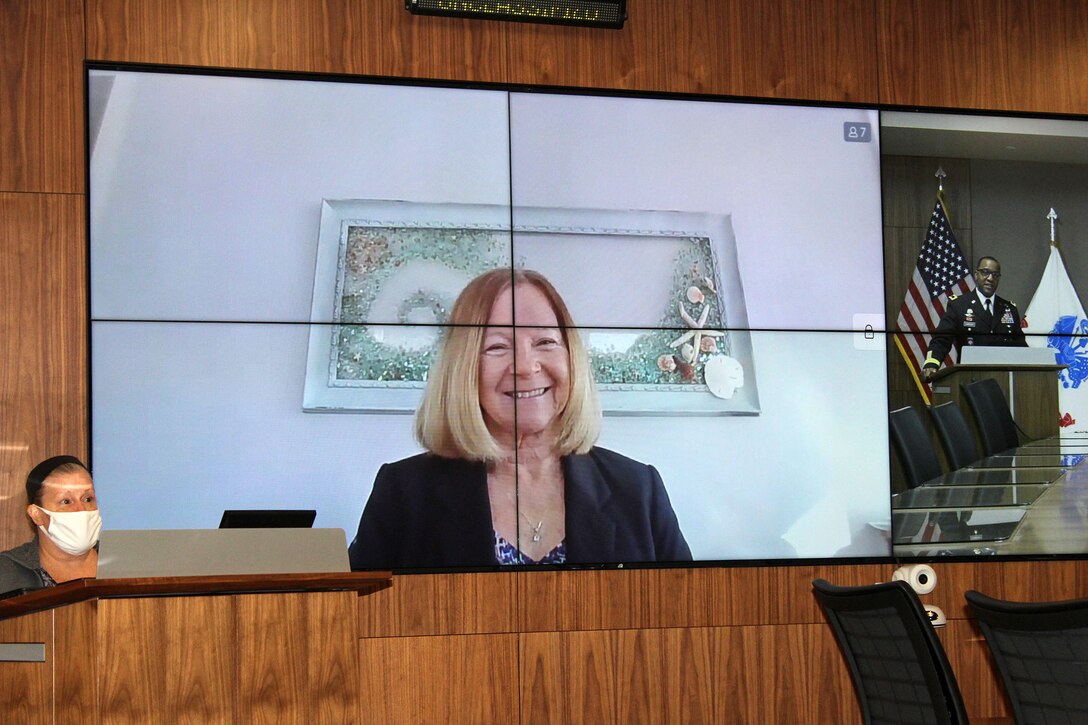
[
  {"x": 21, "y": 568},
  {"x": 433, "y": 512}
]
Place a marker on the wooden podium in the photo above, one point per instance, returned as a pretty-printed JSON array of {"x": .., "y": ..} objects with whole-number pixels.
[
  {"x": 1027, "y": 375},
  {"x": 221, "y": 649}
]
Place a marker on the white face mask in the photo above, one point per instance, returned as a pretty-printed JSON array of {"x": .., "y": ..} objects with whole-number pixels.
[{"x": 75, "y": 532}]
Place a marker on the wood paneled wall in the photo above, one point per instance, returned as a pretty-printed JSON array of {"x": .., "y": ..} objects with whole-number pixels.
[
  {"x": 737, "y": 645},
  {"x": 1010, "y": 55},
  {"x": 41, "y": 97},
  {"x": 43, "y": 334},
  {"x": 697, "y": 645},
  {"x": 285, "y": 657},
  {"x": 822, "y": 49}
]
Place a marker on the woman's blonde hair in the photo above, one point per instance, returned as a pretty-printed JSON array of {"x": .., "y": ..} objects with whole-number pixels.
[{"x": 450, "y": 422}]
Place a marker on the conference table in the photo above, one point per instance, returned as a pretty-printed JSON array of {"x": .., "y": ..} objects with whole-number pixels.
[{"x": 1032, "y": 500}]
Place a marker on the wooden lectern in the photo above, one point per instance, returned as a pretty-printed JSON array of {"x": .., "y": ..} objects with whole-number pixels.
[
  {"x": 221, "y": 649},
  {"x": 1027, "y": 375}
]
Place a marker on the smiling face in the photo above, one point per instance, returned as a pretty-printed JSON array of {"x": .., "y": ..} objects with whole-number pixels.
[
  {"x": 988, "y": 275},
  {"x": 524, "y": 371}
]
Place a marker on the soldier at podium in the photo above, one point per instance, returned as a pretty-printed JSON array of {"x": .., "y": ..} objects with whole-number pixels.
[{"x": 979, "y": 317}]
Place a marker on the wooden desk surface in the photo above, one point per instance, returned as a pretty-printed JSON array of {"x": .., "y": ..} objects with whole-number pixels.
[{"x": 83, "y": 589}]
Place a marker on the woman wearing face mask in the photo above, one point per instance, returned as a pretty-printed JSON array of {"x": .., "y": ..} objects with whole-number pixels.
[{"x": 61, "y": 503}]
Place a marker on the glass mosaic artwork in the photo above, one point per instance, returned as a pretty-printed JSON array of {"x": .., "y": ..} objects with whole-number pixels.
[{"x": 400, "y": 351}]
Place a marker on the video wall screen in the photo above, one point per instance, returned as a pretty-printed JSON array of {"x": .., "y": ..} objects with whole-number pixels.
[
  {"x": 475, "y": 326},
  {"x": 990, "y": 207}
]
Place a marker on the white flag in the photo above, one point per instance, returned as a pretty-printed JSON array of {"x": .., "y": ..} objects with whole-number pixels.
[{"x": 1055, "y": 318}]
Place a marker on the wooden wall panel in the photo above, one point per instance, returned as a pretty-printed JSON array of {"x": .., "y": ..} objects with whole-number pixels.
[
  {"x": 27, "y": 695},
  {"x": 75, "y": 663},
  {"x": 376, "y": 37},
  {"x": 41, "y": 95},
  {"x": 694, "y": 663},
  {"x": 450, "y": 680},
  {"x": 1025, "y": 55},
  {"x": 787, "y": 674},
  {"x": 645, "y": 680},
  {"x": 285, "y": 673},
  {"x": 224, "y": 663},
  {"x": 435, "y": 604},
  {"x": 43, "y": 363},
  {"x": 783, "y": 674},
  {"x": 818, "y": 50},
  {"x": 400, "y": 44},
  {"x": 568, "y": 678},
  {"x": 245, "y": 34},
  {"x": 1013, "y": 580},
  {"x": 689, "y": 597},
  {"x": 189, "y": 641}
]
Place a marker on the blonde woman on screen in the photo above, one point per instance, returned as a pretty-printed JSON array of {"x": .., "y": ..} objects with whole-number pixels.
[{"x": 511, "y": 474}]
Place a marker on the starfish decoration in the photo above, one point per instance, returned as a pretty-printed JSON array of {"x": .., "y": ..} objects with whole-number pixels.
[{"x": 697, "y": 331}]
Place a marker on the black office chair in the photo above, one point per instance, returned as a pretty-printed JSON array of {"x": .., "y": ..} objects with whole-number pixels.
[
  {"x": 956, "y": 438},
  {"x": 914, "y": 447},
  {"x": 899, "y": 669},
  {"x": 996, "y": 426},
  {"x": 1041, "y": 651}
]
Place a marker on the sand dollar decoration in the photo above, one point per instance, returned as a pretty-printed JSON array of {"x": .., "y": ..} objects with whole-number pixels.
[{"x": 723, "y": 375}]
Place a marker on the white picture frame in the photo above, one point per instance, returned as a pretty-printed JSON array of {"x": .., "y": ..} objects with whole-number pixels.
[{"x": 387, "y": 273}]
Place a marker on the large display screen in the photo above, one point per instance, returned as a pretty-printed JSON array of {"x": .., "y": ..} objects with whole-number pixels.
[
  {"x": 985, "y": 207},
  {"x": 642, "y": 330}
]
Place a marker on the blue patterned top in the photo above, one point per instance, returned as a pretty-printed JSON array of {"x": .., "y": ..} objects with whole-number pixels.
[
  {"x": 507, "y": 553},
  {"x": 47, "y": 581}
]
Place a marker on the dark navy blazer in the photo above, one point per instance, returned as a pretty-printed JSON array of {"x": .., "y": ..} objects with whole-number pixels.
[{"x": 433, "y": 512}]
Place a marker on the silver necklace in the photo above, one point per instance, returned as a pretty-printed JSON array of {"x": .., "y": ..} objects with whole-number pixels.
[{"x": 536, "y": 529}]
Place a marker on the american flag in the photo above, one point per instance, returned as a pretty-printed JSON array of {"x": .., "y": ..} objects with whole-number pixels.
[{"x": 941, "y": 271}]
